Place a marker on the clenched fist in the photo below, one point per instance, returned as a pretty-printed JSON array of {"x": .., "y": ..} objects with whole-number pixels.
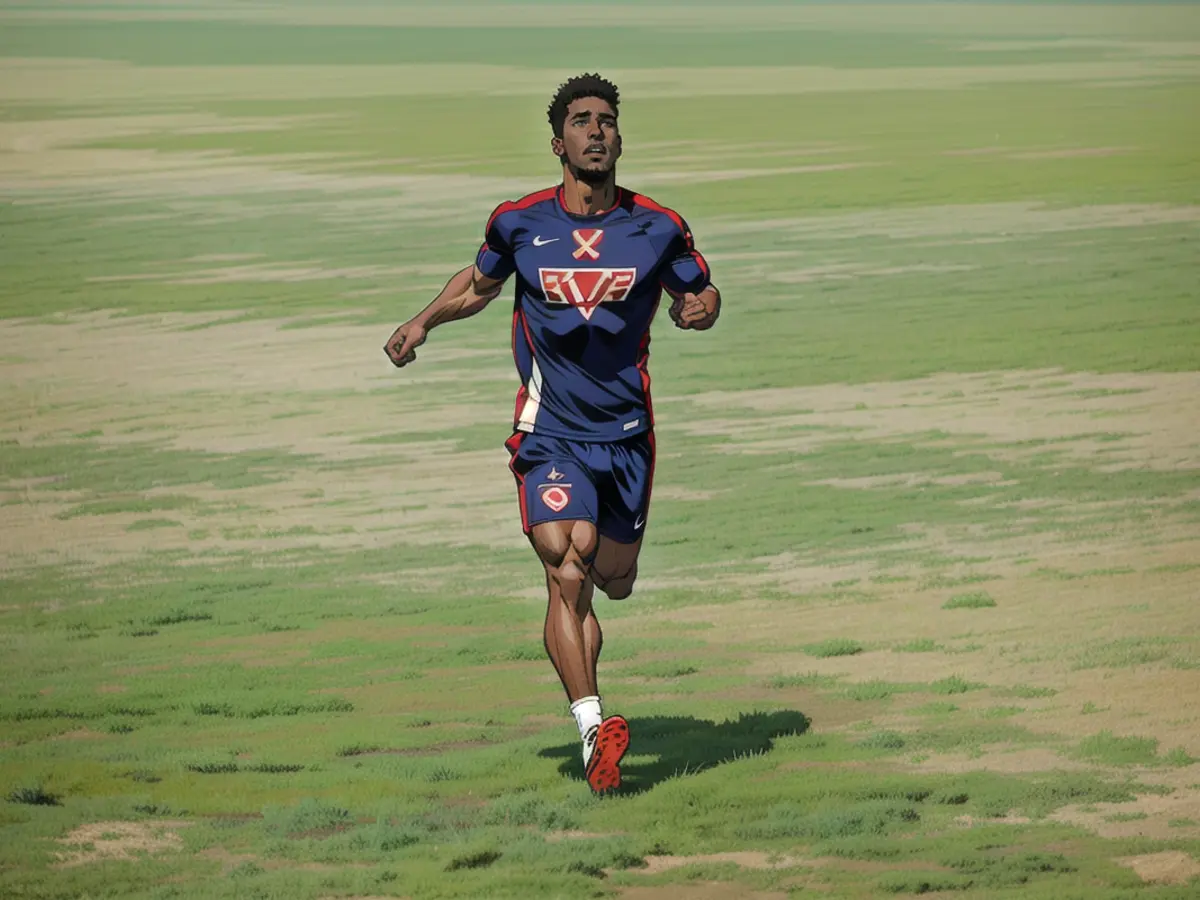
[
  {"x": 696, "y": 311},
  {"x": 401, "y": 347}
]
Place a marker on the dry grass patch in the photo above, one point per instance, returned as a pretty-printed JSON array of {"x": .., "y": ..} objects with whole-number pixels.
[
  {"x": 1152, "y": 815},
  {"x": 964, "y": 223},
  {"x": 1168, "y": 867},
  {"x": 747, "y": 859},
  {"x": 48, "y": 81},
  {"x": 703, "y": 890},
  {"x": 102, "y": 841},
  {"x": 1017, "y": 761},
  {"x": 1151, "y": 415}
]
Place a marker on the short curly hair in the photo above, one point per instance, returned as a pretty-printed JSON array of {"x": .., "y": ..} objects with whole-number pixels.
[{"x": 586, "y": 85}]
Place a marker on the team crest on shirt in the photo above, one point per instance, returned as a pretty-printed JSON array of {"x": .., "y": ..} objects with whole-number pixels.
[
  {"x": 555, "y": 496},
  {"x": 585, "y": 289},
  {"x": 588, "y": 240}
]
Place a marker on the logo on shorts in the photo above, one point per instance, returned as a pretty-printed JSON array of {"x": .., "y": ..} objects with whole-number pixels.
[
  {"x": 555, "y": 475},
  {"x": 585, "y": 289},
  {"x": 556, "y": 496}
]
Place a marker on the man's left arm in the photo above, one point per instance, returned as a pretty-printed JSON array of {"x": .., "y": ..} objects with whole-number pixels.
[{"x": 688, "y": 279}]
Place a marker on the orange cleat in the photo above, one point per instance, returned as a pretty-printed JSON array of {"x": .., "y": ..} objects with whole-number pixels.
[{"x": 611, "y": 742}]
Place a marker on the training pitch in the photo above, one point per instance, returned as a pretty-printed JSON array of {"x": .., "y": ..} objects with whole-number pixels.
[{"x": 919, "y": 608}]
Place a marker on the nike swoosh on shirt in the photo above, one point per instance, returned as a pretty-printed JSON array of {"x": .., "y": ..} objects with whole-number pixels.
[{"x": 538, "y": 242}]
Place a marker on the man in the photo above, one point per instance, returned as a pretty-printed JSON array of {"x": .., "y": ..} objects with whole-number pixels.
[{"x": 591, "y": 260}]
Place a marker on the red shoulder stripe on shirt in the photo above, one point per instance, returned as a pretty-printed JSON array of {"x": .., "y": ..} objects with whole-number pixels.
[
  {"x": 643, "y": 200},
  {"x": 524, "y": 203}
]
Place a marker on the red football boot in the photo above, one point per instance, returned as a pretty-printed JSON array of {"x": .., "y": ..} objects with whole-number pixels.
[{"x": 609, "y": 743}]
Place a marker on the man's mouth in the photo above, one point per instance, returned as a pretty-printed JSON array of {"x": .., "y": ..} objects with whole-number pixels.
[{"x": 594, "y": 149}]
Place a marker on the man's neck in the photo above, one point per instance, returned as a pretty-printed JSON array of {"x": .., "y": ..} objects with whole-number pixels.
[{"x": 585, "y": 199}]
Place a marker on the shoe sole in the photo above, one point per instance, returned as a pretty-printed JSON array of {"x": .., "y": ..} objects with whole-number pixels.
[{"x": 612, "y": 740}]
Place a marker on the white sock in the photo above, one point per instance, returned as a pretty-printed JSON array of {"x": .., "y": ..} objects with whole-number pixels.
[{"x": 586, "y": 711}]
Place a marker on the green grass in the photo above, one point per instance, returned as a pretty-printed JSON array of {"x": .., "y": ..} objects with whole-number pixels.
[
  {"x": 1111, "y": 749},
  {"x": 1029, "y": 692},
  {"x": 918, "y": 645},
  {"x": 215, "y": 43},
  {"x": 1126, "y": 652},
  {"x": 88, "y": 467},
  {"x": 1127, "y": 817},
  {"x": 834, "y": 647},
  {"x": 32, "y": 796},
  {"x": 976, "y": 600},
  {"x": 224, "y": 747},
  {"x": 811, "y": 679}
]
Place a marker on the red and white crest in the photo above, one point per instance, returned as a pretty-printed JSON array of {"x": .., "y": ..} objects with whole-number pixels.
[
  {"x": 587, "y": 239},
  {"x": 585, "y": 289},
  {"x": 556, "y": 497}
]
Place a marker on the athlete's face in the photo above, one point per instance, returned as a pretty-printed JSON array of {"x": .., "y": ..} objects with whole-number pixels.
[{"x": 591, "y": 142}]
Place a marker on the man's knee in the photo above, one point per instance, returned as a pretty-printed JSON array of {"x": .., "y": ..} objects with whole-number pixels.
[
  {"x": 567, "y": 550},
  {"x": 570, "y": 576},
  {"x": 618, "y": 587},
  {"x": 570, "y": 587},
  {"x": 560, "y": 543}
]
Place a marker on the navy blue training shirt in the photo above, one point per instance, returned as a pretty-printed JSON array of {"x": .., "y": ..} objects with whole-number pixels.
[{"x": 587, "y": 289}]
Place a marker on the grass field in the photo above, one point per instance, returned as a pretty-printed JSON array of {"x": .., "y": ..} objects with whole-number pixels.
[{"x": 918, "y": 608}]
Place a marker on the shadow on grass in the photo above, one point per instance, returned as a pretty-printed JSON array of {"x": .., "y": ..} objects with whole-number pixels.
[{"x": 684, "y": 745}]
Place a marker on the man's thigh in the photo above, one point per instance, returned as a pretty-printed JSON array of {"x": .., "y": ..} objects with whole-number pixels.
[
  {"x": 615, "y": 560},
  {"x": 624, "y": 476},
  {"x": 553, "y": 484}
]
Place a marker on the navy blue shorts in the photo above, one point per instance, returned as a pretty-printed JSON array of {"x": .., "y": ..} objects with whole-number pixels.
[{"x": 606, "y": 483}]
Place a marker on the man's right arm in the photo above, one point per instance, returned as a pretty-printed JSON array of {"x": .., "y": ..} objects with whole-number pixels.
[{"x": 465, "y": 294}]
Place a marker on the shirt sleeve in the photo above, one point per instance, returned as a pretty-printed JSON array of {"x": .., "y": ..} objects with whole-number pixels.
[
  {"x": 495, "y": 257},
  {"x": 686, "y": 271}
]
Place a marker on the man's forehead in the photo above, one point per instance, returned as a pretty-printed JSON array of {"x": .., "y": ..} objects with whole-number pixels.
[{"x": 585, "y": 105}]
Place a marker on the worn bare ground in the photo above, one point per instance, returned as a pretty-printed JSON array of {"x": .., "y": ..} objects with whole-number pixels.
[
  {"x": 40, "y": 135},
  {"x": 44, "y": 159},
  {"x": 959, "y": 222},
  {"x": 230, "y": 861},
  {"x": 748, "y": 859},
  {"x": 1174, "y": 814},
  {"x": 701, "y": 890},
  {"x": 101, "y": 841},
  {"x": 1168, "y": 867},
  {"x": 1037, "y": 27},
  {"x": 1056, "y": 598},
  {"x": 1079, "y": 29},
  {"x": 48, "y": 80},
  {"x": 328, "y": 394},
  {"x": 1080, "y": 413}
]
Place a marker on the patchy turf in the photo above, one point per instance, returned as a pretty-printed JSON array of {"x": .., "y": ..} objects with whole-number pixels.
[{"x": 916, "y": 611}]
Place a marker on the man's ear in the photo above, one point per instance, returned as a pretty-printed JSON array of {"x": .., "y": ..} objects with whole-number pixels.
[{"x": 557, "y": 147}]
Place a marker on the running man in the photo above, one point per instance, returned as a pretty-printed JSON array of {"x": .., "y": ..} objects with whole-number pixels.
[{"x": 591, "y": 260}]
